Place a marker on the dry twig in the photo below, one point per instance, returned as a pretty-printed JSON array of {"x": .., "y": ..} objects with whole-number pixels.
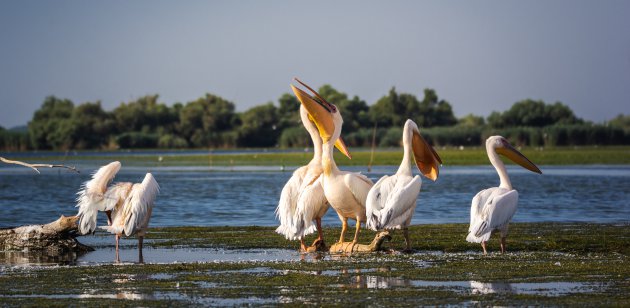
[{"x": 35, "y": 166}]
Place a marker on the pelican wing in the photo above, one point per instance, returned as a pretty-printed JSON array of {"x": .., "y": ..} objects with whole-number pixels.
[
  {"x": 359, "y": 185},
  {"x": 141, "y": 202},
  {"x": 376, "y": 201},
  {"x": 288, "y": 202},
  {"x": 491, "y": 209},
  {"x": 311, "y": 203},
  {"x": 92, "y": 196},
  {"x": 400, "y": 203},
  {"x": 116, "y": 194}
]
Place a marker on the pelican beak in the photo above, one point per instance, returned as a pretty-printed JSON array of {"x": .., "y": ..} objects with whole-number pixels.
[
  {"x": 321, "y": 113},
  {"x": 427, "y": 160},
  {"x": 514, "y": 155},
  {"x": 341, "y": 146}
]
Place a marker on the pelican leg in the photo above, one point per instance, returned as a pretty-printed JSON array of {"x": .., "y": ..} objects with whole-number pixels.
[
  {"x": 483, "y": 245},
  {"x": 109, "y": 217},
  {"x": 320, "y": 234},
  {"x": 117, "y": 255},
  {"x": 303, "y": 247},
  {"x": 356, "y": 234},
  {"x": 140, "y": 257},
  {"x": 344, "y": 227},
  {"x": 318, "y": 243},
  {"x": 504, "y": 233},
  {"x": 407, "y": 240}
]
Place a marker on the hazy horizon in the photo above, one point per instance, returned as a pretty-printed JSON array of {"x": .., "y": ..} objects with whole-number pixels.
[{"x": 480, "y": 56}]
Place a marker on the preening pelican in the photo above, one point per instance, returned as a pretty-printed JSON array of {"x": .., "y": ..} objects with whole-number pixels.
[
  {"x": 492, "y": 209},
  {"x": 128, "y": 206},
  {"x": 345, "y": 191},
  {"x": 94, "y": 197},
  {"x": 392, "y": 200},
  {"x": 302, "y": 199}
]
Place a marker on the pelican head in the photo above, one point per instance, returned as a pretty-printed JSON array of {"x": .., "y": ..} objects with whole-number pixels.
[
  {"x": 501, "y": 146},
  {"x": 325, "y": 115},
  {"x": 427, "y": 160}
]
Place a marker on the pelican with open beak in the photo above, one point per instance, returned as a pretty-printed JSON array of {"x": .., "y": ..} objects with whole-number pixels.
[
  {"x": 302, "y": 199},
  {"x": 392, "y": 200},
  {"x": 345, "y": 191},
  {"x": 492, "y": 209}
]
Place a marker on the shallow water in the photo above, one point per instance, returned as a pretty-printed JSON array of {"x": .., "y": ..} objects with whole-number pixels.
[
  {"x": 556, "y": 288},
  {"x": 105, "y": 253},
  {"x": 240, "y": 196}
]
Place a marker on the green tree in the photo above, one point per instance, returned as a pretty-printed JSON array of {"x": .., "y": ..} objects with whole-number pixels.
[
  {"x": 533, "y": 113},
  {"x": 259, "y": 126},
  {"x": 471, "y": 120},
  {"x": 392, "y": 109},
  {"x": 146, "y": 115},
  {"x": 434, "y": 111},
  {"x": 621, "y": 121},
  {"x": 91, "y": 126},
  {"x": 288, "y": 111},
  {"x": 50, "y": 127},
  {"x": 207, "y": 121},
  {"x": 354, "y": 111}
]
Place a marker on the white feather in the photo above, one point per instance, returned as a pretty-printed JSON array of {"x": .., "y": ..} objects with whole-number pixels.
[
  {"x": 359, "y": 185},
  {"x": 92, "y": 196},
  {"x": 311, "y": 204},
  {"x": 374, "y": 203},
  {"x": 401, "y": 203},
  {"x": 491, "y": 209},
  {"x": 392, "y": 201},
  {"x": 287, "y": 205},
  {"x": 133, "y": 217}
]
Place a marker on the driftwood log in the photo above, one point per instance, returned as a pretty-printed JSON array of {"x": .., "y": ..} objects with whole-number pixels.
[
  {"x": 347, "y": 247},
  {"x": 55, "y": 238}
]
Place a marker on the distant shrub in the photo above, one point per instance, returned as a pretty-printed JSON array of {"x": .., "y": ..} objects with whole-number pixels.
[
  {"x": 452, "y": 135},
  {"x": 13, "y": 140},
  {"x": 137, "y": 140},
  {"x": 172, "y": 142},
  {"x": 391, "y": 138},
  {"x": 294, "y": 137}
]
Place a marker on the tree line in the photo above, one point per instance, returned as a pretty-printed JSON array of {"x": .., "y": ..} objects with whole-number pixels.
[{"x": 212, "y": 122}]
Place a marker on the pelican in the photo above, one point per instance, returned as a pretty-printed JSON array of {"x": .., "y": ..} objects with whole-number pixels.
[
  {"x": 302, "y": 198},
  {"x": 392, "y": 200},
  {"x": 345, "y": 191},
  {"x": 492, "y": 209},
  {"x": 128, "y": 206}
]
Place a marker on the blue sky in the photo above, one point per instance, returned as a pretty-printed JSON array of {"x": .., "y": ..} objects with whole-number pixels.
[{"x": 481, "y": 56}]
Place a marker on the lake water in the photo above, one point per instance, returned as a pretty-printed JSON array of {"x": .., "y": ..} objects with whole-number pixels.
[{"x": 240, "y": 196}]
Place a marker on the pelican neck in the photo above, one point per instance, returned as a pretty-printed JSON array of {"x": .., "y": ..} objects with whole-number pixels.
[{"x": 499, "y": 166}]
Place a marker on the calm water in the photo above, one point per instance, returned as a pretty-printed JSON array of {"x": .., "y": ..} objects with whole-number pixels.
[{"x": 249, "y": 195}]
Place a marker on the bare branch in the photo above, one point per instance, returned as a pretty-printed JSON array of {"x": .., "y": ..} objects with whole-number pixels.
[{"x": 35, "y": 166}]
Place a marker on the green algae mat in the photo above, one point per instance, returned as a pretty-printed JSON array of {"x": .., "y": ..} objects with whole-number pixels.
[{"x": 556, "y": 264}]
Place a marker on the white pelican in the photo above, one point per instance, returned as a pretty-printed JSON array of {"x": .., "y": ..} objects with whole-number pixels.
[
  {"x": 302, "y": 199},
  {"x": 128, "y": 206},
  {"x": 492, "y": 209},
  {"x": 345, "y": 191},
  {"x": 392, "y": 200}
]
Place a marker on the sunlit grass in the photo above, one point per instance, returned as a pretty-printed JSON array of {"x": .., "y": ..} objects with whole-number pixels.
[{"x": 360, "y": 157}]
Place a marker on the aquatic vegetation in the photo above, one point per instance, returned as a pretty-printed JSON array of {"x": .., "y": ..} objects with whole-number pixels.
[{"x": 548, "y": 264}]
